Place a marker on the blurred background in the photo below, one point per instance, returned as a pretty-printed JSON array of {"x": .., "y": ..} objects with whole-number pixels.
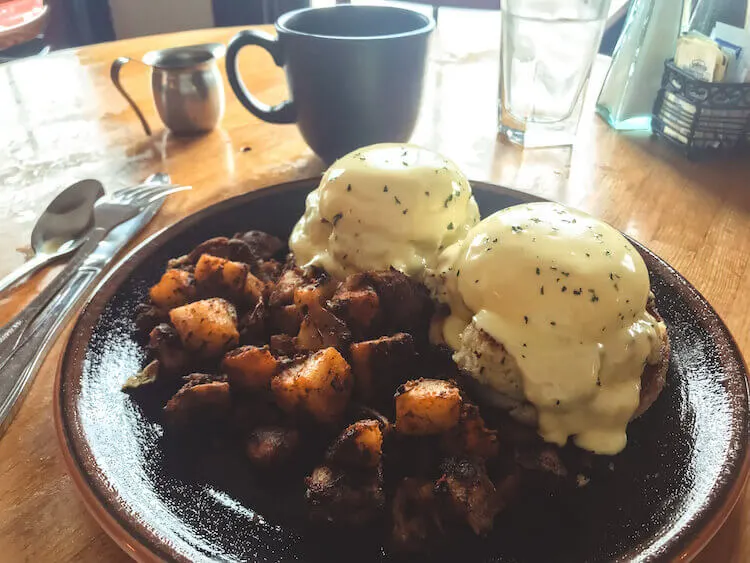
[{"x": 56, "y": 24}]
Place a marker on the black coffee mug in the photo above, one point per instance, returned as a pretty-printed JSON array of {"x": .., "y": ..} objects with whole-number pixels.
[{"x": 355, "y": 74}]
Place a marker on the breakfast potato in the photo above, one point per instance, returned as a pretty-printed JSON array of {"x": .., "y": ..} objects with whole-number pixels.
[
  {"x": 199, "y": 401},
  {"x": 319, "y": 328},
  {"x": 470, "y": 436},
  {"x": 254, "y": 289},
  {"x": 283, "y": 345},
  {"x": 319, "y": 386},
  {"x": 148, "y": 317},
  {"x": 222, "y": 247},
  {"x": 253, "y": 325},
  {"x": 176, "y": 287},
  {"x": 307, "y": 296},
  {"x": 359, "y": 445},
  {"x": 165, "y": 344},
  {"x": 404, "y": 303},
  {"x": 263, "y": 245},
  {"x": 427, "y": 406},
  {"x": 469, "y": 494},
  {"x": 345, "y": 498},
  {"x": 207, "y": 327},
  {"x": 283, "y": 291},
  {"x": 219, "y": 276},
  {"x": 359, "y": 307},
  {"x": 249, "y": 368},
  {"x": 378, "y": 366},
  {"x": 270, "y": 446},
  {"x": 285, "y": 319}
]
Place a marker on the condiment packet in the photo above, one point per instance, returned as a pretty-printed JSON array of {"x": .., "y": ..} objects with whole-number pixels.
[
  {"x": 701, "y": 57},
  {"x": 735, "y": 44}
]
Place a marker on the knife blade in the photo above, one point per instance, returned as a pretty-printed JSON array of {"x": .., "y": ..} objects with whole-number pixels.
[{"x": 20, "y": 364}]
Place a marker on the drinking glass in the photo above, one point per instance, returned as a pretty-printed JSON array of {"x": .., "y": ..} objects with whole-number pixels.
[{"x": 548, "y": 47}]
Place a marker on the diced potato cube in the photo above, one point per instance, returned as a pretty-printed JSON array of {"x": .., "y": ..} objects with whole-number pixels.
[
  {"x": 359, "y": 307},
  {"x": 319, "y": 386},
  {"x": 254, "y": 289},
  {"x": 359, "y": 445},
  {"x": 470, "y": 437},
  {"x": 208, "y": 327},
  {"x": 308, "y": 296},
  {"x": 285, "y": 319},
  {"x": 249, "y": 368},
  {"x": 283, "y": 291},
  {"x": 198, "y": 403},
  {"x": 379, "y": 366},
  {"x": 175, "y": 288},
  {"x": 216, "y": 275},
  {"x": 427, "y": 406}
]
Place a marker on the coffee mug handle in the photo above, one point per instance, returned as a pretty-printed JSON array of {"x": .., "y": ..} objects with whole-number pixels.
[{"x": 281, "y": 113}]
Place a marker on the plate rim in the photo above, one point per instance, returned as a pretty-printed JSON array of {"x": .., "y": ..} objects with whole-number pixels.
[{"x": 145, "y": 547}]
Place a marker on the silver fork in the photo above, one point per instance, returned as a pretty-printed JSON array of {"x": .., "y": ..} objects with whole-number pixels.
[{"x": 24, "y": 339}]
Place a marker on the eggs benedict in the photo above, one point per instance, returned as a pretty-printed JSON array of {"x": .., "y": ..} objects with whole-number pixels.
[
  {"x": 383, "y": 206},
  {"x": 550, "y": 314}
]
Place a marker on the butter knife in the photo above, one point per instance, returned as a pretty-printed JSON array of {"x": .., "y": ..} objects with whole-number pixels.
[{"x": 22, "y": 352}]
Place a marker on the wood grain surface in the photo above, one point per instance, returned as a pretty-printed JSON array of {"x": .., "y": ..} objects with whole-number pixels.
[{"x": 61, "y": 120}]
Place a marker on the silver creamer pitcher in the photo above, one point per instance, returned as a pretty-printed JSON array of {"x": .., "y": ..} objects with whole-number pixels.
[{"x": 186, "y": 84}]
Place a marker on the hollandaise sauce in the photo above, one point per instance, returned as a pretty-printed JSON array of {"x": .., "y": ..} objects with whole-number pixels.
[
  {"x": 387, "y": 205},
  {"x": 565, "y": 294}
]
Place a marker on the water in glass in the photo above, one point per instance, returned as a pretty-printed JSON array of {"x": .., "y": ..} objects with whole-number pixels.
[{"x": 546, "y": 61}]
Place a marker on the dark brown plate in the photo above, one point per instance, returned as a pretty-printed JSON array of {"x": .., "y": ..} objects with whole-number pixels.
[{"x": 669, "y": 492}]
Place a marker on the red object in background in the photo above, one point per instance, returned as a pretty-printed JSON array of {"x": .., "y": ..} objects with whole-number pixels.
[
  {"x": 21, "y": 21},
  {"x": 16, "y": 12}
]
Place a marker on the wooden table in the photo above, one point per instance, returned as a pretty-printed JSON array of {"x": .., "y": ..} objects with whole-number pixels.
[{"x": 61, "y": 120}]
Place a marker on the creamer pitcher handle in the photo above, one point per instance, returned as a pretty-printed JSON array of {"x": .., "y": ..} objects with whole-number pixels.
[{"x": 114, "y": 73}]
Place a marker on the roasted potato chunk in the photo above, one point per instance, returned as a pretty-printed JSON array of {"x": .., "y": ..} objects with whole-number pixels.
[
  {"x": 285, "y": 319},
  {"x": 198, "y": 403},
  {"x": 271, "y": 446},
  {"x": 254, "y": 289},
  {"x": 166, "y": 346},
  {"x": 283, "y": 291},
  {"x": 222, "y": 247},
  {"x": 249, "y": 368},
  {"x": 468, "y": 493},
  {"x": 404, "y": 305},
  {"x": 348, "y": 498},
  {"x": 319, "y": 386},
  {"x": 358, "y": 307},
  {"x": 207, "y": 327},
  {"x": 216, "y": 276},
  {"x": 470, "y": 437},
  {"x": 427, "y": 406},
  {"x": 379, "y": 366},
  {"x": 319, "y": 328},
  {"x": 176, "y": 287},
  {"x": 148, "y": 317},
  {"x": 359, "y": 445},
  {"x": 253, "y": 325},
  {"x": 283, "y": 345},
  {"x": 263, "y": 245}
]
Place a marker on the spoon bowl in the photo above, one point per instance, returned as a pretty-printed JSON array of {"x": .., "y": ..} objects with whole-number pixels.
[{"x": 61, "y": 229}]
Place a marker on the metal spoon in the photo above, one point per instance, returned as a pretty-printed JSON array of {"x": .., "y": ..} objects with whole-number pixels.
[{"x": 61, "y": 229}]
